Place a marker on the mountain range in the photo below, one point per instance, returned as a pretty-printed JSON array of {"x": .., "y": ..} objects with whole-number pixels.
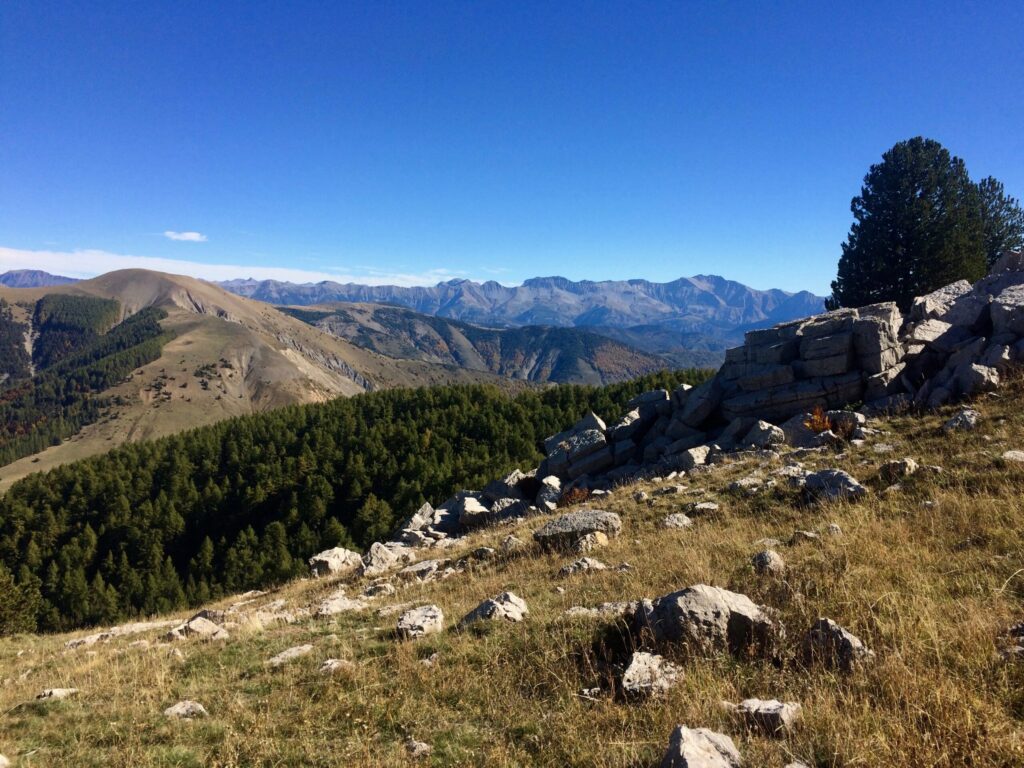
[{"x": 705, "y": 312}]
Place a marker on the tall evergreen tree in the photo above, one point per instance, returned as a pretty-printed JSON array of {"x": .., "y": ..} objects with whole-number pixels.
[
  {"x": 1002, "y": 219},
  {"x": 917, "y": 226}
]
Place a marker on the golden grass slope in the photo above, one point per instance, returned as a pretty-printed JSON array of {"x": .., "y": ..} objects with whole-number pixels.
[
  {"x": 261, "y": 358},
  {"x": 930, "y": 577}
]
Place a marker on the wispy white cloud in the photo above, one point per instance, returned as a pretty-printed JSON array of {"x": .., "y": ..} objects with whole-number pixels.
[
  {"x": 89, "y": 263},
  {"x": 185, "y": 237}
]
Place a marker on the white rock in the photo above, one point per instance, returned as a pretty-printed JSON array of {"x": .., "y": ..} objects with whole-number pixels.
[
  {"x": 335, "y": 561},
  {"x": 771, "y": 717},
  {"x": 55, "y": 694},
  {"x": 417, "y": 749},
  {"x": 507, "y": 606},
  {"x": 200, "y": 627},
  {"x": 418, "y": 622},
  {"x": 336, "y": 666},
  {"x": 830, "y": 644},
  {"x": 648, "y": 675},
  {"x": 700, "y": 748},
  {"x": 338, "y": 603},
  {"x": 768, "y": 563},
  {"x": 378, "y": 560},
  {"x": 966, "y": 419},
  {"x": 186, "y": 710},
  {"x": 1017, "y": 456},
  {"x": 582, "y": 565},
  {"x": 677, "y": 520},
  {"x": 290, "y": 654}
]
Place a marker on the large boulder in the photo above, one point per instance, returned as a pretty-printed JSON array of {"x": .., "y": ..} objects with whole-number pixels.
[
  {"x": 700, "y": 748},
  {"x": 563, "y": 532},
  {"x": 764, "y": 435},
  {"x": 711, "y": 619},
  {"x": 549, "y": 494},
  {"x": 588, "y": 422},
  {"x": 334, "y": 562}
]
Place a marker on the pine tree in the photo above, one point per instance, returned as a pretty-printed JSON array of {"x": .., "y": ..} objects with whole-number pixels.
[
  {"x": 1002, "y": 219},
  {"x": 917, "y": 227}
]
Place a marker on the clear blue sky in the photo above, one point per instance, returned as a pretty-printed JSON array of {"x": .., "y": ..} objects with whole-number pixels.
[{"x": 412, "y": 141}]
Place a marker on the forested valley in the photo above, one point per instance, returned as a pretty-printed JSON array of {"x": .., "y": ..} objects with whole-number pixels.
[{"x": 239, "y": 505}]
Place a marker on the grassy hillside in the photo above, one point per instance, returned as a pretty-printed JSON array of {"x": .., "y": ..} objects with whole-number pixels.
[{"x": 928, "y": 576}]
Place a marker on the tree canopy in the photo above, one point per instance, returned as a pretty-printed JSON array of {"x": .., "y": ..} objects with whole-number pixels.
[{"x": 920, "y": 223}]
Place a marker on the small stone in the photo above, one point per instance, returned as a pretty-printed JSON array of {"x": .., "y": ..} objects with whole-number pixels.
[
  {"x": 640, "y": 496},
  {"x": 967, "y": 419},
  {"x": 186, "y": 710},
  {"x": 894, "y": 471},
  {"x": 336, "y": 666},
  {"x": 590, "y": 542},
  {"x": 379, "y": 589},
  {"x": 677, "y": 520},
  {"x": 648, "y": 675},
  {"x": 771, "y": 717},
  {"x": 417, "y": 749},
  {"x": 583, "y": 565},
  {"x": 418, "y": 622},
  {"x": 56, "y": 694},
  {"x": 768, "y": 563},
  {"x": 338, "y": 603},
  {"x": 507, "y": 606},
  {"x": 702, "y": 508},
  {"x": 832, "y": 645},
  {"x": 566, "y": 530},
  {"x": 833, "y": 485},
  {"x": 800, "y": 537},
  {"x": 512, "y": 544},
  {"x": 483, "y": 554},
  {"x": 289, "y": 655},
  {"x": 1017, "y": 456},
  {"x": 833, "y": 529}
]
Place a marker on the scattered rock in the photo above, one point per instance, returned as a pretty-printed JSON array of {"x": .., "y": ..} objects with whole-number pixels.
[
  {"x": 677, "y": 520},
  {"x": 582, "y": 565},
  {"x": 199, "y": 626},
  {"x": 833, "y": 529},
  {"x": 186, "y": 710},
  {"x": 563, "y": 532},
  {"x": 966, "y": 420},
  {"x": 764, "y": 435},
  {"x": 418, "y": 622},
  {"x": 641, "y": 496},
  {"x": 833, "y": 484},
  {"x": 378, "y": 560},
  {"x": 337, "y": 666},
  {"x": 1017, "y": 456},
  {"x": 800, "y": 537},
  {"x": 379, "y": 589},
  {"x": 590, "y": 542},
  {"x": 896, "y": 470},
  {"x": 505, "y": 606},
  {"x": 56, "y": 694},
  {"x": 829, "y": 644},
  {"x": 702, "y": 508},
  {"x": 512, "y": 544},
  {"x": 417, "y": 749},
  {"x": 771, "y": 717},
  {"x": 289, "y": 655},
  {"x": 335, "y": 561},
  {"x": 648, "y": 675},
  {"x": 425, "y": 570},
  {"x": 711, "y": 619},
  {"x": 700, "y": 748},
  {"x": 338, "y": 603},
  {"x": 670, "y": 490},
  {"x": 768, "y": 563}
]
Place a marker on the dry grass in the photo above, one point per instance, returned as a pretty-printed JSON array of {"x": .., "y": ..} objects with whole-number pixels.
[{"x": 929, "y": 587}]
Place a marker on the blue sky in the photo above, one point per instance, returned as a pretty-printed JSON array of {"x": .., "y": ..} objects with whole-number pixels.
[{"x": 411, "y": 142}]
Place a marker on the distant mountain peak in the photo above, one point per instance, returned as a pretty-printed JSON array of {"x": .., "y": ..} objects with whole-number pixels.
[{"x": 33, "y": 278}]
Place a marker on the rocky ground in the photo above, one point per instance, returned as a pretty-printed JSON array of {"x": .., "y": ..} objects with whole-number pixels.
[{"x": 761, "y": 607}]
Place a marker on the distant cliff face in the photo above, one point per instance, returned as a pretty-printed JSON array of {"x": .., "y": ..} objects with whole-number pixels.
[
  {"x": 33, "y": 278},
  {"x": 691, "y": 316}
]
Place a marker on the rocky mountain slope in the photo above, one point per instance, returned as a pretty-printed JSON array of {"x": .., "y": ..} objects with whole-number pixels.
[
  {"x": 881, "y": 624},
  {"x": 32, "y": 278},
  {"x": 229, "y": 356},
  {"x": 530, "y": 353},
  {"x": 715, "y": 309}
]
